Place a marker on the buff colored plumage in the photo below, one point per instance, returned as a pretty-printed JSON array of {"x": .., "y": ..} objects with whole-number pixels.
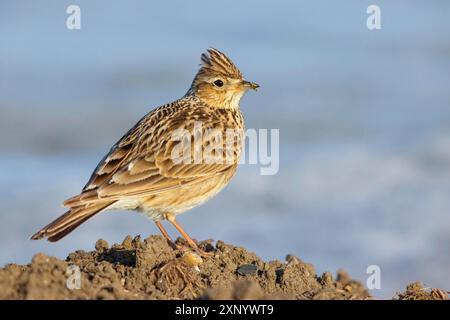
[{"x": 141, "y": 173}]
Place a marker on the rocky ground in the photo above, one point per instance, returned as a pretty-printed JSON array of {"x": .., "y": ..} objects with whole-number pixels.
[{"x": 151, "y": 269}]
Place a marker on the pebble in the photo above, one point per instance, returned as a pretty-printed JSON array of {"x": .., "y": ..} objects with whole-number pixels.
[
  {"x": 101, "y": 245},
  {"x": 192, "y": 259},
  {"x": 247, "y": 269}
]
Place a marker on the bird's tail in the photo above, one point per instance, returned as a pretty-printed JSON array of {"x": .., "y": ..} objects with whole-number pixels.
[{"x": 69, "y": 221}]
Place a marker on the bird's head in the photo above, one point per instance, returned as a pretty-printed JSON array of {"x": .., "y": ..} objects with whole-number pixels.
[{"x": 219, "y": 83}]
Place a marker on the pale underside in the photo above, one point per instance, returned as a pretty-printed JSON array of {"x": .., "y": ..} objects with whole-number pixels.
[{"x": 175, "y": 201}]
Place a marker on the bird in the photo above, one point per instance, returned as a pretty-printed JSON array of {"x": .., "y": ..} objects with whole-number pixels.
[{"x": 161, "y": 166}]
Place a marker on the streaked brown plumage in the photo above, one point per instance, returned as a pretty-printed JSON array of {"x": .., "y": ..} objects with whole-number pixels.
[{"x": 139, "y": 172}]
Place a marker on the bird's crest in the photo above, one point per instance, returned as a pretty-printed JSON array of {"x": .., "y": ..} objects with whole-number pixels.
[{"x": 216, "y": 62}]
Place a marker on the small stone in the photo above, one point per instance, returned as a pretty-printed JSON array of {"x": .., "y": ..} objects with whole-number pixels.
[
  {"x": 192, "y": 259},
  {"x": 40, "y": 258},
  {"x": 101, "y": 245},
  {"x": 247, "y": 269}
]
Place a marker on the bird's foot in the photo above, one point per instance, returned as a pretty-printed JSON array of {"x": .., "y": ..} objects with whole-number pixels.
[{"x": 184, "y": 245}]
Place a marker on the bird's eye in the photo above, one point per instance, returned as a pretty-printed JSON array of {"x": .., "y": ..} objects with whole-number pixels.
[{"x": 218, "y": 83}]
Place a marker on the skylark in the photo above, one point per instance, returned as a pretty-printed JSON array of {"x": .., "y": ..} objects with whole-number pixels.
[{"x": 155, "y": 170}]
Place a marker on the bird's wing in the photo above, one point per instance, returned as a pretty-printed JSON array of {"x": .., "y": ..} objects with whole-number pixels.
[{"x": 155, "y": 156}]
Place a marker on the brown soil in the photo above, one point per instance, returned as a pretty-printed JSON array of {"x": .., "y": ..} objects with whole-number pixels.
[{"x": 151, "y": 269}]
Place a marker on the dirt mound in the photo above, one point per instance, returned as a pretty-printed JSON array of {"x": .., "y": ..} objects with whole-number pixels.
[
  {"x": 151, "y": 269},
  {"x": 416, "y": 291}
]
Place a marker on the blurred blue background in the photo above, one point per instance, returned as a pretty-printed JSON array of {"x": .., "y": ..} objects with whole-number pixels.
[{"x": 364, "y": 120}]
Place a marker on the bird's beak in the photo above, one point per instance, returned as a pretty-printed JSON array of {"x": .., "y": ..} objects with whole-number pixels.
[{"x": 250, "y": 85}]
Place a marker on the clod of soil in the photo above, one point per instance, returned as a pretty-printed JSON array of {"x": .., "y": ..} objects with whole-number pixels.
[
  {"x": 151, "y": 269},
  {"x": 416, "y": 291}
]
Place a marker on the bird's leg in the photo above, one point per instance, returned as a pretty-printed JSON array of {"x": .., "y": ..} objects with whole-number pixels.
[
  {"x": 163, "y": 231},
  {"x": 166, "y": 235},
  {"x": 168, "y": 238},
  {"x": 171, "y": 218}
]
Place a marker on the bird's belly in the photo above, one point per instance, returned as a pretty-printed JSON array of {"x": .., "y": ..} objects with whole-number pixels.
[{"x": 183, "y": 199}]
